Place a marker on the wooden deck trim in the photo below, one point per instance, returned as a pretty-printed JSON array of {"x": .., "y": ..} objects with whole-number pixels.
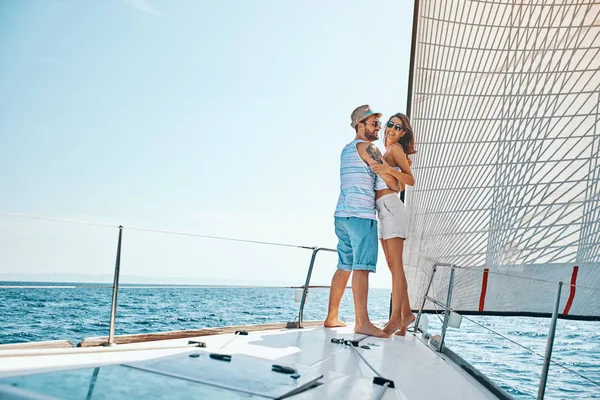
[
  {"x": 51, "y": 344},
  {"x": 149, "y": 337}
]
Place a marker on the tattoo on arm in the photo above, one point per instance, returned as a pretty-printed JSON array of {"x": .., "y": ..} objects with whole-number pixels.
[{"x": 375, "y": 154}]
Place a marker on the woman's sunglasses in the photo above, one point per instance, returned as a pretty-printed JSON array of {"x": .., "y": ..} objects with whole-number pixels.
[{"x": 398, "y": 127}]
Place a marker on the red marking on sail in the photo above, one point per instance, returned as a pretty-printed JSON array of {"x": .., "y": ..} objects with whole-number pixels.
[
  {"x": 572, "y": 292},
  {"x": 484, "y": 281}
]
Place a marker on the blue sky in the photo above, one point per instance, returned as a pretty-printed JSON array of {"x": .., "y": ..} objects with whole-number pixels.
[{"x": 220, "y": 118}]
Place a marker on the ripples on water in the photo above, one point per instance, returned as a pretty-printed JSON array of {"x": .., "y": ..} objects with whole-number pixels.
[{"x": 75, "y": 313}]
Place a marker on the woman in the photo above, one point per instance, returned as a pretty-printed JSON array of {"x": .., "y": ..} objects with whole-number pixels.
[{"x": 393, "y": 220}]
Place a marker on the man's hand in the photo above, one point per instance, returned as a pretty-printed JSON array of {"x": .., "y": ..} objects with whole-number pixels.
[
  {"x": 381, "y": 168},
  {"x": 409, "y": 161}
]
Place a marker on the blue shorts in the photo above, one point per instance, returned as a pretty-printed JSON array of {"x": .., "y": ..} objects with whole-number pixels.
[{"x": 357, "y": 243}]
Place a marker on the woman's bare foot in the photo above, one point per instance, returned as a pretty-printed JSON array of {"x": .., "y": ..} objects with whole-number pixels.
[
  {"x": 333, "y": 323},
  {"x": 370, "y": 330},
  {"x": 406, "y": 324},
  {"x": 392, "y": 326}
]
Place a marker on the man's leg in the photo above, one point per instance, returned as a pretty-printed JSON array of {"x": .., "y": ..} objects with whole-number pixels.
[
  {"x": 360, "y": 290},
  {"x": 363, "y": 234},
  {"x": 338, "y": 286},
  {"x": 341, "y": 275}
]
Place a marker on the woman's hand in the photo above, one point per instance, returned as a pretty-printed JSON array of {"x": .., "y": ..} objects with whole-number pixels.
[{"x": 381, "y": 169}]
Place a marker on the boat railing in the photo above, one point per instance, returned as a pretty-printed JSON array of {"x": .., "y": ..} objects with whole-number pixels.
[
  {"x": 447, "y": 308},
  {"x": 315, "y": 251},
  {"x": 297, "y": 321}
]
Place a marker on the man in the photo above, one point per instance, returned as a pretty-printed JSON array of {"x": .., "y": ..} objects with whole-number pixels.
[{"x": 355, "y": 221}]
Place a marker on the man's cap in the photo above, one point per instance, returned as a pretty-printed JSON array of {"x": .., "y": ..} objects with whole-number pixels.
[{"x": 360, "y": 113}]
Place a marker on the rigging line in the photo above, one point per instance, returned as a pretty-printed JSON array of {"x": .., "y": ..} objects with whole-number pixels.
[
  {"x": 520, "y": 277},
  {"x": 496, "y": 2},
  {"x": 495, "y": 49},
  {"x": 72, "y": 221},
  {"x": 357, "y": 353},
  {"x": 525, "y": 28},
  {"x": 503, "y": 96},
  {"x": 165, "y": 231},
  {"x": 365, "y": 361},
  {"x": 532, "y": 351},
  {"x": 500, "y": 119},
  {"x": 226, "y": 238},
  {"x": 466, "y": 141}
]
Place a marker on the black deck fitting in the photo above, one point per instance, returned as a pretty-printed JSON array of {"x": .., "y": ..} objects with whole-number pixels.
[
  {"x": 379, "y": 380},
  {"x": 283, "y": 369},
  {"x": 198, "y": 344},
  {"x": 243, "y": 333},
  {"x": 221, "y": 357}
]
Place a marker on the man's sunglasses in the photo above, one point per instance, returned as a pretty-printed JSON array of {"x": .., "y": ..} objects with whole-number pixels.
[
  {"x": 398, "y": 127},
  {"x": 374, "y": 123}
]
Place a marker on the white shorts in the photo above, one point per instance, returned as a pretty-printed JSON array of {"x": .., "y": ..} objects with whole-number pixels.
[{"x": 393, "y": 220}]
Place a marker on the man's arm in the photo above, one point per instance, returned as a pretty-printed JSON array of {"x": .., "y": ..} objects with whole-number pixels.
[{"x": 371, "y": 155}]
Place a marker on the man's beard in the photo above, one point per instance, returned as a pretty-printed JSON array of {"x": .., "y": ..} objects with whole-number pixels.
[{"x": 371, "y": 135}]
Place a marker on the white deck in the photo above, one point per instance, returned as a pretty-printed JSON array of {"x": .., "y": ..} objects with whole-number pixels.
[{"x": 418, "y": 371}]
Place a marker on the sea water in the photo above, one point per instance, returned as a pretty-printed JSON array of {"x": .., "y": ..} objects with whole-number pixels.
[{"x": 43, "y": 311}]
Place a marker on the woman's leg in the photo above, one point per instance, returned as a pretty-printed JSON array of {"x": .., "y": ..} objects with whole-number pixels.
[
  {"x": 400, "y": 304},
  {"x": 395, "y": 321}
]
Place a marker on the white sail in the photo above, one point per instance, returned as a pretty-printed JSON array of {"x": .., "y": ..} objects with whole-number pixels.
[{"x": 506, "y": 106}]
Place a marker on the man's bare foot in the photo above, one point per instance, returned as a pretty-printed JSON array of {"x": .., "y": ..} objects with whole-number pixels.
[
  {"x": 392, "y": 326},
  {"x": 333, "y": 323},
  {"x": 405, "y": 325},
  {"x": 370, "y": 330}
]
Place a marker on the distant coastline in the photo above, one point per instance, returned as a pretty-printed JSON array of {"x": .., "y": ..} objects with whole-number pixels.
[
  {"x": 101, "y": 281},
  {"x": 72, "y": 281},
  {"x": 5, "y": 284}
]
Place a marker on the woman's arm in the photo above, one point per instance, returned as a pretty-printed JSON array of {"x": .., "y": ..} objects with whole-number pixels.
[
  {"x": 391, "y": 182},
  {"x": 401, "y": 160}
]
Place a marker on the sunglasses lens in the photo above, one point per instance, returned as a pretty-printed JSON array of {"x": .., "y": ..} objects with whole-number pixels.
[
  {"x": 389, "y": 124},
  {"x": 398, "y": 128}
]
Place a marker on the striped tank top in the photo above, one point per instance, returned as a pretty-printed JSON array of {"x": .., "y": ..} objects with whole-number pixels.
[{"x": 357, "y": 187}]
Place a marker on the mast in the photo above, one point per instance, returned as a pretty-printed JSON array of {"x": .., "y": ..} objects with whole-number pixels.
[
  {"x": 413, "y": 50},
  {"x": 411, "y": 68}
]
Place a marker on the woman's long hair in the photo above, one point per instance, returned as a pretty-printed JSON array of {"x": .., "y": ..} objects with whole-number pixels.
[{"x": 408, "y": 140}]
